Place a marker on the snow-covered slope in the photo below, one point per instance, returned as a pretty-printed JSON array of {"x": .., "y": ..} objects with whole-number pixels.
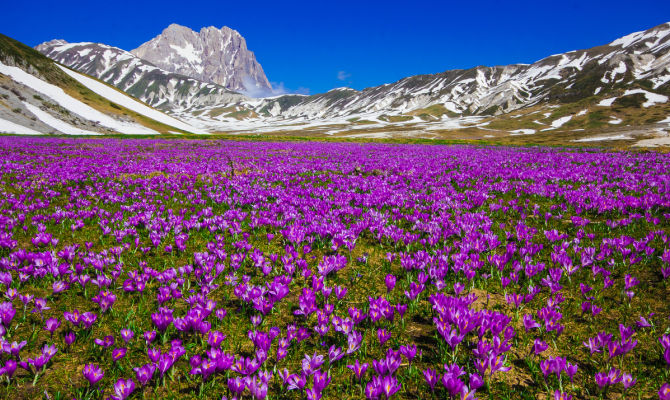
[
  {"x": 642, "y": 58},
  {"x": 157, "y": 87},
  {"x": 124, "y": 100},
  {"x": 39, "y": 96},
  {"x": 212, "y": 55}
]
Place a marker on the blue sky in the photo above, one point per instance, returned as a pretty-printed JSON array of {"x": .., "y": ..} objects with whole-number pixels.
[{"x": 316, "y": 46}]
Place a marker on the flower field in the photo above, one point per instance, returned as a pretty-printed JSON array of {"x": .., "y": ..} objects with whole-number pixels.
[{"x": 212, "y": 269}]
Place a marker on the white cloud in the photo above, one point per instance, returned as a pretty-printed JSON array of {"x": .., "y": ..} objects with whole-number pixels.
[
  {"x": 343, "y": 75},
  {"x": 278, "y": 89}
]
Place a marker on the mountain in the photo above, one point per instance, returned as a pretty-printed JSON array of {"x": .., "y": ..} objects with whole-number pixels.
[
  {"x": 212, "y": 55},
  {"x": 139, "y": 78},
  {"x": 38, "y": 96},
  {"x": 641, "y": 59},
  {"x": 619, "y": 86}
]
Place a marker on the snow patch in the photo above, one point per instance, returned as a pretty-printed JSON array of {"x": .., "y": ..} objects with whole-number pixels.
[
  {"x": 129, "y": 103},
  {"x": 10, "y": 127},
  {"x": 524, "y": 131},
  {"x": 561, "y": 121},
  {"x": 188, "y": 52},
  {"x": 607, "y": 102},
  {"x": 601, "y": 138},
  {"x": 652, "y": 98},
  {"x": 71, "y": 104},
  {"x": 56, "y": 123}
]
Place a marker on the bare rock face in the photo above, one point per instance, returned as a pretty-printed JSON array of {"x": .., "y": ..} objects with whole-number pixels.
[{"x": 212, "y": 55}]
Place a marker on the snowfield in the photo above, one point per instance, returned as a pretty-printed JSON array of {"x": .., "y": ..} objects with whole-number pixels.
[
  {"x": 56, "y": 123},
  {"x": 10, "y": 127},
  {"x": 124, "y": 100},
  {"x": 73, "y": 105}
]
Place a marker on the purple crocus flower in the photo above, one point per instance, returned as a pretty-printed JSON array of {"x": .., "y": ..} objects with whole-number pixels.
[
  {"x": 123, "y": 388},
  {"x": 335, "y": 353},
  {"x": 7, "y": 313},
  {"x": 118, "y": 353},
  {"x": 105, "y": 342},
  {"x": 311, "y": 364},
  {"x": 105, "y": 299},
  {"x": 145, "y": 373},
  {"x": 149, "y": 336},
  {"x": 558, "y": 395},
  {"x": 51, "y": 325},
  {"x": 628, "y": 381},
  {"x": 163, "y": 318},
  {"x": 383, "y": 335},
  {"x": 390, "y": 281},
  {"x": 236, "y": 385},
  {"x": 602, "y": 380},
  {"x": 9, "y": 369},
  {"x": 390, "y": 386},
  {"x": 127, "y": 335},
  {"x": 13, "y": 348},
  {"x": 358, "y": 369},
  {"x": 321, "y": 380},
  {"x": 539, "y": 346},
  {"x": 664, "y": 392},
  {"x": 93, "y": 373},
  {"x": 432, "y": 377}
]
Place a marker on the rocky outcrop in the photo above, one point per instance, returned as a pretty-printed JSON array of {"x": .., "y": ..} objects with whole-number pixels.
[{"x": 212, "y": 55}]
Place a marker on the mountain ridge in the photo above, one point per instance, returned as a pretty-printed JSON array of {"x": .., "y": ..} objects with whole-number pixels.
[
  {"x": 579, "y": 89},
  {"x": 212, "y": 55}
]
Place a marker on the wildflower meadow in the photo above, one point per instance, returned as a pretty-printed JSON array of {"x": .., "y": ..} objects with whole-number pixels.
[{"x": 173, "y": 269}]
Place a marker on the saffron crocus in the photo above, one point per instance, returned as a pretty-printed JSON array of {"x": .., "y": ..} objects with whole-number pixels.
[
  {"x": 539, "y": 346},
  {"x": 69, "y": 338},
  {"x": 432, "y": 377},
  {"x": 558, "y": 395},
  {"x": 145, "y": 373},
  {"x": 321, "y": 380},
  {"x": 118, "y": 353},
  {"x": 7, "y": 313},
  {"x": 358, "y": 369},
  {"x": 628, "y": 381},
  {"x": 51, "y": 325},
  {"x": 311, "y": 364},
  {"x": 123, "y": 388},
  {"x": 390, "y": 386},
  {"x": 9, "y": 369},
  {"x": 93, "y": 373},
  {"x": 127, "y": 335},
  {"x": 390, "y": 281},
  {"x": 664, "y": 392},
  {"x": 105, "y": 342},
  {"x": 383, "y": 335}
]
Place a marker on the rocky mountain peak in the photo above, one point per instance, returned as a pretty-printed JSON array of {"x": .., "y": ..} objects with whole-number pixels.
[{"x": 212, "y": 55}]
